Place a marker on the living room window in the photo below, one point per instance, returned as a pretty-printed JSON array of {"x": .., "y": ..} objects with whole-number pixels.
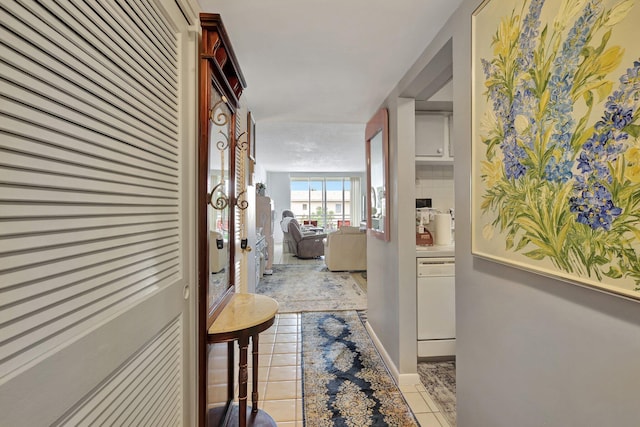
[{"x": 325, "y": 201}]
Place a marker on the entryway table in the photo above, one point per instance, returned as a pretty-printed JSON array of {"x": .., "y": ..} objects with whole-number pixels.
[{"x": 246, "y": 316}]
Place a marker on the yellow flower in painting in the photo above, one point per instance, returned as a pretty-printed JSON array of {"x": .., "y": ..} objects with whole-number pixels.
[
  {"x": 632, "y": 171},
  {"x": 506, "y": 36},
  {"x": 610, "y": 59},
  {"x": 521, "y": 124},
  {"x": 619, "y": 12},
  {"x": 567, "y": 11},
  {"x": 489, "y": 122},
  {"x": 492, "y": 172},
  {"x": 487, "y": 231}
]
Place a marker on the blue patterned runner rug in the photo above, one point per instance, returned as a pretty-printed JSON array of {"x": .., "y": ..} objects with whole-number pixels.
[{"x": 345, "y": 382}]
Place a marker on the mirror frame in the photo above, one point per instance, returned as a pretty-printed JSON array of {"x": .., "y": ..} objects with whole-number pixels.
[
  {"x": 379, "y": 123},
  {"x": 219, "y": 71}
]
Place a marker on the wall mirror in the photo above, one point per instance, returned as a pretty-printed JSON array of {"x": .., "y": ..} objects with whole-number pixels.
[
  {"x": 377, "y": 151},
  {"x": 220, "y": 86},
  {"x": 218, "y": 209}
]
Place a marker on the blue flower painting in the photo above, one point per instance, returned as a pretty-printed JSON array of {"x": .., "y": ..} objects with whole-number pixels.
[{"x": 556, "y": 139}]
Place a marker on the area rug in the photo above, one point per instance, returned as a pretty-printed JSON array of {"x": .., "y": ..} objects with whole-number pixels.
[
  {"x": 439, "y": 378},
  {"x": 301, "y": 287},
  {"x": 361, "y": 279},
  {"x": 344, "y": 381}
]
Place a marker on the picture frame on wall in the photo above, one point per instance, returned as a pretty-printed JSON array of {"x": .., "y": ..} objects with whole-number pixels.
[
  {"x": 251, "y": 137},
  {"x": 556, "y": 140}
]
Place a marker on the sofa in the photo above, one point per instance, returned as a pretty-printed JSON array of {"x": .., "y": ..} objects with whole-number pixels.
[{"x": 346, "y": 250}]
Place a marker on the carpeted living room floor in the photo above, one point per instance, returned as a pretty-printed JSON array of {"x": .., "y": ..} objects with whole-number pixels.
[
  {"x": 311, "y": 287},
  {"x": 317, "y": 290}
]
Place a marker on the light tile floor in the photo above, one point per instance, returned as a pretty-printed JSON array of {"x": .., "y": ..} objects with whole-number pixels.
[
  {"x": 280, "y": 376},
  {"x": 280, "y": 372}
]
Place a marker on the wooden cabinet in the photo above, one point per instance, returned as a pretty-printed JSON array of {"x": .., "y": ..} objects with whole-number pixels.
[
  {"x": 220, "y": 85},
  {"x": 432, "y": 137}
]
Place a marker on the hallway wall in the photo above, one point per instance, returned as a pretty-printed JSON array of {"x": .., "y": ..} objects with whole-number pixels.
[{"x": 532, "y": 351}]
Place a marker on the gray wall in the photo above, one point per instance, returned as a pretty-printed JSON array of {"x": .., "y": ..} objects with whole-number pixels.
[
  {"x": 532, "y": 351},
  {"x": 278, "y": 188}
]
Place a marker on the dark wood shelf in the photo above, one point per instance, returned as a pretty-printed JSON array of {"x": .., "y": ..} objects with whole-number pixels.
[{"x": 217, "y": 48}]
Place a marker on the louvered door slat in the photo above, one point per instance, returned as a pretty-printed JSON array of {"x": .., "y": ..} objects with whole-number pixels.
[
  {"x": 47, "y": 295},
  {"x": 123, "y": 386},
  {"x": 167, "y": 411},
  {"x": 106, "y": 106},
  {"x": 145, "y": 380},
  {"x": 36, "y": 295},
  {"x": 156, "y": 26},
  {"x": 133, "y": 20},
  {"x": 45, "y": 317},
  {"x": 37, "y": 174},
  {"x": 15, "y": 353},
  {"x": 21, "y": 259},
  {"x": 66, "y": 58},
  {"x": 80, "y": 116},
  {"x": 37, "y": 164},
  {"x": 93, "y": 71},
  {"x": 53, "y": 118},
  {"x": 95, "y": 228},
  {"x": 22, "y": 227},
  {"x": 150, "y": 390},
  {"x": 29, "y": 138},
  {"x": 51, "y": 194},
  {"x": 122, "y": 46},
  {"x": 37, "y": 210},
  {"x": 39, "y": 270},
  {"x": 39, "y": 242}
]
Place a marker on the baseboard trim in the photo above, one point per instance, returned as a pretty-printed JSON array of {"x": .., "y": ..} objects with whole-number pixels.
[{"x": 400, "y": 379}]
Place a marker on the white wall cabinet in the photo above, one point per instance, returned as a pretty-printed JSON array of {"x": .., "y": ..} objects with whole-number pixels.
[{"x": 433, "y": 143}]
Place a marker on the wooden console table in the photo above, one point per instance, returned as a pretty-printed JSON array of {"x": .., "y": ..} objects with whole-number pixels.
[{"x": 246, "y": 315}]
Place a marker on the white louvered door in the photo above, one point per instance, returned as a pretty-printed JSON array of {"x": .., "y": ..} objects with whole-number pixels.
[{"x": 97, "y": 153}]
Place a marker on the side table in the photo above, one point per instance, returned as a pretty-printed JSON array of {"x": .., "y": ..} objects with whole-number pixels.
[{"x": 244, "y": 317}]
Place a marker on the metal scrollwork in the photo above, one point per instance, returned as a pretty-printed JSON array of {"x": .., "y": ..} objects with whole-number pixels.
[
  {"x": 219, "y": 119},
  {"x": 222, "y": 145},
  {"x": 221, "y": 201},
  {"x": 241, "y": 201},
  {"x": 244, "y": 145}
]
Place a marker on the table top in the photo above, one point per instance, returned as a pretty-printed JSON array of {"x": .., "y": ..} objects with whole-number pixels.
[{"x": 244, "y": 311}]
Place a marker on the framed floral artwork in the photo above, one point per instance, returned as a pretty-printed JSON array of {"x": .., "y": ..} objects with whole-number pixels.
[{"x": 556, "y": 139}]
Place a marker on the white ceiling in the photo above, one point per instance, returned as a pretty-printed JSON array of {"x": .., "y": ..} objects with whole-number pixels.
[{"x": 316, "y": 71}]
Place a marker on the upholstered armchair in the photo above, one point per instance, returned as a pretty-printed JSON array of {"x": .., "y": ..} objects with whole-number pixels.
[
  {"x": 217, "y": 257},
  {"x": 287, "y": 243},
  {"x": 346, "y": 250},
  {"x": 304, "y": 245}
]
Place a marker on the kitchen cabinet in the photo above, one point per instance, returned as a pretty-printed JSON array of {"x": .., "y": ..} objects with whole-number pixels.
[{"x": 433, "y": 142}]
